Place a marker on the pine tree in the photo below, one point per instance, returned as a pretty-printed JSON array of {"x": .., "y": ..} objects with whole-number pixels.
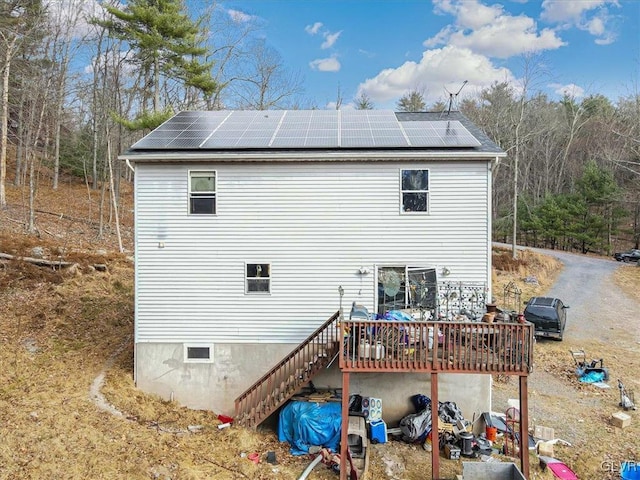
[
  {"x": 363, "y": 102},
  {"x": 166, "y": 47},
  {"x": 412, "y": 102}
]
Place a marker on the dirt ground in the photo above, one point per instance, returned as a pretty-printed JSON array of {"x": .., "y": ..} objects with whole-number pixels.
[{"x": 69, "y": 408}]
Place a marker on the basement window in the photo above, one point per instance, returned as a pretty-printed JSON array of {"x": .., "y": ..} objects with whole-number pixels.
[
  {"x": 414, "y": 191},
  {"x": 198, "y": 353},
  {"x": 258, "y": 278},
  {"x": 202, "y": 193}
]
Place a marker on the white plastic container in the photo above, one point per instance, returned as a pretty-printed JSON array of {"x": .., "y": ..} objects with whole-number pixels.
[{"x": 371, "y": 352}]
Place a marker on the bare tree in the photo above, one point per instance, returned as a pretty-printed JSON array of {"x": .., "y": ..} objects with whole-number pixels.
[
  {"x": 18, "y": 20},
  {"x": 265, "y": 83},
  {"x": 62, "y": 25}
]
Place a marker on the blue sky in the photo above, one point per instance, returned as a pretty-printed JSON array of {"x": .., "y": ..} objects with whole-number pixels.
[{"x": 385, "y": 48}]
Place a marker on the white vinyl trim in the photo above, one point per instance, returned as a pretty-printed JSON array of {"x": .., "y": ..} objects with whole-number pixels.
[
  {"x": 407, "y": 191},
  {"x": 203, "y": 194},
  {"x": 190, "y": 348}
]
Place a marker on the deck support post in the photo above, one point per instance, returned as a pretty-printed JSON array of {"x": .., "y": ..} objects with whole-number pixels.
[
  {"x": 524, "y": 426},
  {"x": 344, "y": 431},
  {"x": 435, "y": 435}
]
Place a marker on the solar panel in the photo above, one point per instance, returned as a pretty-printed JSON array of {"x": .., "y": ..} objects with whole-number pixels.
[
  {"x": 371, "y": 128},
  {"x": 441, "y": 133},
  {"x": 222, "y": 129}
]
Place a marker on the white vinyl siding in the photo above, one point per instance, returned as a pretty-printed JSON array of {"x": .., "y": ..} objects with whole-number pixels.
[{"x": 317, "y": 223}]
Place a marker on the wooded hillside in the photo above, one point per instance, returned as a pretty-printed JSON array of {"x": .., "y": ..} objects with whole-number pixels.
[{"x": 571, "y": 180}]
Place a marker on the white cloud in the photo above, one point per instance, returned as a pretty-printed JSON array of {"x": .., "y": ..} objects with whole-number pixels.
[
  {"x": 489, "y": 30},
  {"x": 72, "y": 16},
  {"x": 570, "y": 89},
  {"x": 313, "y": 29},
  {"x": 330, "y": 64},
  {"x": 558, "y": 11},
  {"x": 366, "y": 53},
  {"x": 438, "y": 69},
  {"x": 470, "y": 13},
  {"x": 589, "y": 15},
  {"x": 330, "y": 39},
  {"x": 239, "y": 17}
]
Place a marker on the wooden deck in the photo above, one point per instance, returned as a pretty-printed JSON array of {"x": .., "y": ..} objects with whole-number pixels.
[{"x": 454, "y": 347}]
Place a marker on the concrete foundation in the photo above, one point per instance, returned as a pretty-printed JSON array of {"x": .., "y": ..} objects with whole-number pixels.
[{"x": 160, "y": 369}]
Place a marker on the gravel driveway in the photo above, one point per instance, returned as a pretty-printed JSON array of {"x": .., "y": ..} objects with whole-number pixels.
[
  {"x": 599, "y": 310},
  {"x": 603, "y": 321}
]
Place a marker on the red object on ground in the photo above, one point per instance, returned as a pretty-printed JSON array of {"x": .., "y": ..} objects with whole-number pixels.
[
  {"x": 225, "y": 419},
  {"x": 559, "y": 469},
  {"x": 254, "y": 457}
]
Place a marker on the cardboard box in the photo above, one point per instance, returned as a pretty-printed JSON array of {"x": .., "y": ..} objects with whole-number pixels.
[
  {"x": 620, "y": 420},
  {"x": 544, "y": 433}
]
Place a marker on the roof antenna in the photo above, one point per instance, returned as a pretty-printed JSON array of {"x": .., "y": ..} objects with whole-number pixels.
[{"x": 454, "y": 96}]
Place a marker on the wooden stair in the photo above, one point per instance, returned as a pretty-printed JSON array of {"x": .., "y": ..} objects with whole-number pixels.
[{"x": 293, "y": 372}]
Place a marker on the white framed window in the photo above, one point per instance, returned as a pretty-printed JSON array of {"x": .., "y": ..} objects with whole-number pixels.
[
  {"x": 202, "y": 192},
  {"x": 198, "y": 353},
  {"x": 257, "y": 278},
  {"x": 414, "y": 191}
]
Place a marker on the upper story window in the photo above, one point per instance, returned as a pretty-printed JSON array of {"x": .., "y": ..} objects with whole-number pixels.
[
  {"x": 414, "y": 191},
  {"x": 258, "y": 278},
  {"x": 202, "y": 193}
]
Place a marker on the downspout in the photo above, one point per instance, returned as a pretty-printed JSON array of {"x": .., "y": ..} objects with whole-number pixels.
[
  {"x": 490, "y": 167},
  {"x": 493, "y": 163},
  {"x": 135, "y": 282}
]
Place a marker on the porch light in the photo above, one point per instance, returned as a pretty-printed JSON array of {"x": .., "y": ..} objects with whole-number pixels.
[{"x": 445, "y": 272}]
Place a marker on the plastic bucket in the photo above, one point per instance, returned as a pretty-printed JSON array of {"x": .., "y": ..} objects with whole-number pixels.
[
  {"x": 630, "y": 471},
  {"x": 492, "y": 433}
]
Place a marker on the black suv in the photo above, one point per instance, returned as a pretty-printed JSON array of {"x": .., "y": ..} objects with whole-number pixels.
[
  {"x": 632, "y": 255},
  {"x": 548, "y": 315}
]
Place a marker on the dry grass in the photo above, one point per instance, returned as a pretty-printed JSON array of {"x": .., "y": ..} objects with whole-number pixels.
[
  {"x": 532, "y": 273},
  {"x": 60, "y": 330},
  {"x": 628, "y": 279}
]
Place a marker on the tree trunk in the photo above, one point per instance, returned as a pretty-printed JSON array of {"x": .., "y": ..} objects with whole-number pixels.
[{"x": 4, "y": 121}]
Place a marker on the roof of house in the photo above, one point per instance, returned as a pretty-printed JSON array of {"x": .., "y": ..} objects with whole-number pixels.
[{"x": 313, "y": 133}]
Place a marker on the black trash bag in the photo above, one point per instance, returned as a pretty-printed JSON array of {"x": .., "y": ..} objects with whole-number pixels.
[
  {"x": 355, "y": 403},
  {"x": 416, "y": 426},
  {"x": 420, "y": 402}
]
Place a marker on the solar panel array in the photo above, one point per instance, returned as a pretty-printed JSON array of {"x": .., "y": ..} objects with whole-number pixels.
[{"x": 282, "y": 129}]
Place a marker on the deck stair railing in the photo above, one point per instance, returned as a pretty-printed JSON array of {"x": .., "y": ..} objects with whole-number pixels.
[{"x": 285, "y": 379}]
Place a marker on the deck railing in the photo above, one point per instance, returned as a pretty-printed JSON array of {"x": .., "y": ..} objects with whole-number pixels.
[
  {"x": 463, "y": 347},
  {"x": 295, "y": 370}
]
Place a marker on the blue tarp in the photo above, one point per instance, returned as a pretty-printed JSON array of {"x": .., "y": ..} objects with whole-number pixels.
[
  {"x": 592, "y": 377},
  {"x": 304, "y": 424}
]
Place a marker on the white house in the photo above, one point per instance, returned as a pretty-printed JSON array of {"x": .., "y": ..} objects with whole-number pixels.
[{"x": 249, "y": 224}]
